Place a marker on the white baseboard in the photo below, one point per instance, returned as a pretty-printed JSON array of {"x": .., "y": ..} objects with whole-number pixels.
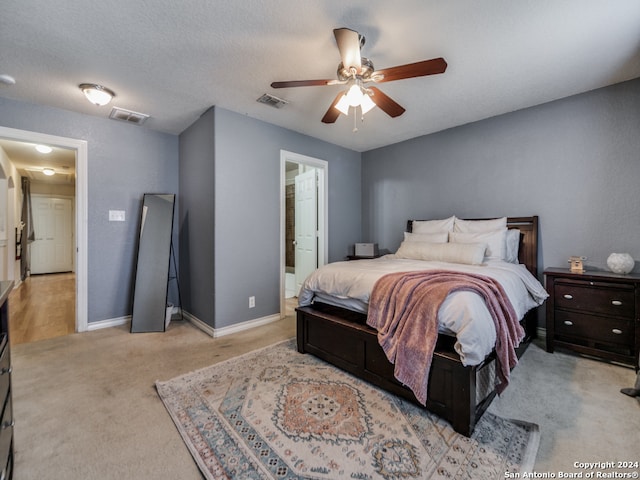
[
  {"x": 108, "y": 323},
  {"x": 205, "y": 327},
  {"x": 239, "y": 327},
  {"x": 208, "y": 329}
]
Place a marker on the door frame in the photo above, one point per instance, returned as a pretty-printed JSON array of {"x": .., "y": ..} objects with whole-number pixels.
[
  {"x": 81, "y": 260},
  {"x": 323, "y": 215}
]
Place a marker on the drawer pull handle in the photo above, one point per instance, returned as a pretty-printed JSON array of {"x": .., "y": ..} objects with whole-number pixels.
[
  {"x": 4, "y": 371},
  {"x": 617, "y": 303},
  {"x": 6, "y": 425},
  {"x": 568, "y": 297},
  {"x": 568, "y": 322},
  {"x": 617, "y": 331}
]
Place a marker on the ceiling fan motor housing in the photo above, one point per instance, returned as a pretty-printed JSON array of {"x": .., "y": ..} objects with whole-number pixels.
[{"x": 365, "y": 71}]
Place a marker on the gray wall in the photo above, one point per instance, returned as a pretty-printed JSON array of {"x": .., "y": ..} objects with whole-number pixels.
[
  {"x": 244, "y": 189},
  {"x": 574, "y": 162},
  {"x": 196, "y": 218},
  {"x": 124, "y": 162}
]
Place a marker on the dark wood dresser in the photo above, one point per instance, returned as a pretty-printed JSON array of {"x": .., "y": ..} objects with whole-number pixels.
[
  {"x": 594, "y": 313},
  {"x": 6, "y": 418}
]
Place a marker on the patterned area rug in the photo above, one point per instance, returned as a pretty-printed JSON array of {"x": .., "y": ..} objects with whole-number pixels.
[{"x": 278, "y": 414}]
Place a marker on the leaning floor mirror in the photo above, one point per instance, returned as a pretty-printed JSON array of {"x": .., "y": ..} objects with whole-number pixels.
[{"x": 153, "y": 263}]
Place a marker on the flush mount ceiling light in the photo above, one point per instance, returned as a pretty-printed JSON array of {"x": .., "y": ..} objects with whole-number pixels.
[
  {"x": 48, "y": 171},
  {"x": 44, "y": 148},
  {"x": 7, "y": 79},
  {"x": 97, "y": 94}
]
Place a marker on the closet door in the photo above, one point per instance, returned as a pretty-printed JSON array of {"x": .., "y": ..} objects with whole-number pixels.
[{"x": 51, "y": 252}]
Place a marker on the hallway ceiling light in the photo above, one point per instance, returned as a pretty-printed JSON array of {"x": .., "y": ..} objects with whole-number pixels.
[
  {"x": 48, "y": 171},
  {"x": 97, "y": 94},
  {"x": 44, "y": 148}
]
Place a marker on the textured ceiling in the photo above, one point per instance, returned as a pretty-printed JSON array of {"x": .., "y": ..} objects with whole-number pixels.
[{"x": 173, "y": 60}]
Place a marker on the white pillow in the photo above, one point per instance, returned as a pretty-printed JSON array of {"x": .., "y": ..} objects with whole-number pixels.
[
  {"x": 442, "y": 237},
  {"x": 512, "y": 245},
  {"x": 495, "y": 241},
  {"x": 469, "y": 253},
  {"x": 433, "y": 226},
  {"x": 479, "y": 225}
]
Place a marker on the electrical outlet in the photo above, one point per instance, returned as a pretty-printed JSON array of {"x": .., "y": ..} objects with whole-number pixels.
[{"x": 252, "y": 302}]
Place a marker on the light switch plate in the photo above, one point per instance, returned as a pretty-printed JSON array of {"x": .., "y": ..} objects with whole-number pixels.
[{"x": 116, "y": 215}]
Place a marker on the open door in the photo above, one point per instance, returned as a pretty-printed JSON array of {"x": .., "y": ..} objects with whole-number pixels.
[{"x": 306, "y": 228}]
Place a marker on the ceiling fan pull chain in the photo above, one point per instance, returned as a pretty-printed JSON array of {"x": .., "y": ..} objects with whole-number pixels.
[{"x": 355, "y": 119}]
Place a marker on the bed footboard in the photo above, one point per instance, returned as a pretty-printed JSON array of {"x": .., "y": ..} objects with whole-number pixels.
[{"x": 342, "y": 338}]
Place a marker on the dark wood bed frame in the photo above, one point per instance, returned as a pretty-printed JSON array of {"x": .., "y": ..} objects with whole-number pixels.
[{"x": 342, "y": 338}]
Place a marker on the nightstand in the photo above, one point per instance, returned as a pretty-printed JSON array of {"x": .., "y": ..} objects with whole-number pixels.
[{"x": 594, "y": 313}]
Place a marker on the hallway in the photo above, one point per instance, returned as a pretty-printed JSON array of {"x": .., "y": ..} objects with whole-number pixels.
[{"x": 43, "y": 306}]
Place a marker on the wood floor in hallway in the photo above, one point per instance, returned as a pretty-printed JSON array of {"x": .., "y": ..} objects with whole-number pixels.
[{"x": 43, "y": 306}]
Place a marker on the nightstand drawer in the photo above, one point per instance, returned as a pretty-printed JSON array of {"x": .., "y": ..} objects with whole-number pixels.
[
  {"x": 607, "y": 299},
  {"x": 592, "y": 327}
]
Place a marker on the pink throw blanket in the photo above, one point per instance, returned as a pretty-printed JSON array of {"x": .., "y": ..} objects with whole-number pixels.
[{"x": 403, "y": 308}]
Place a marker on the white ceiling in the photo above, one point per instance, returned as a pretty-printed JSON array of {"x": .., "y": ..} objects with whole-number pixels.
[{"x": 174, "y": 59}]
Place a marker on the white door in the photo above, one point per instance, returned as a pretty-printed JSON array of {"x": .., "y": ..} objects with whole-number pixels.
[
  {"x": 52, "y": 250},
  {"x": 306, "y": 229}
]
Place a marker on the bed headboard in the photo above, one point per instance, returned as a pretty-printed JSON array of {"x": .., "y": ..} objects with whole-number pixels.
[{"x": 528, "y": 251}]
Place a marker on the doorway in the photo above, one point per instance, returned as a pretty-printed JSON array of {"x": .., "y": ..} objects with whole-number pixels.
[
  {"x": 79, "y": 147},
  {"x": 303, "y": 221}
]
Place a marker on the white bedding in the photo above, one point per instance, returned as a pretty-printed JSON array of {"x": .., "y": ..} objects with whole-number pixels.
[{"x": 462, "y": 314}]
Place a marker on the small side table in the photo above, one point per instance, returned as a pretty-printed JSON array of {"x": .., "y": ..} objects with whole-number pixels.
[{"x": 594, "y": 313}]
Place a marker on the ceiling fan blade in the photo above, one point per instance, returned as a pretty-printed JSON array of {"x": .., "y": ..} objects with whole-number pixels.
[
  {"x": 386, "y": 104},
  {"x": 348, "y": 42},
  {"x": 302, "y": 83},
  {"x": 410, "y": 70},
  {"x": 333, "y": 113}
]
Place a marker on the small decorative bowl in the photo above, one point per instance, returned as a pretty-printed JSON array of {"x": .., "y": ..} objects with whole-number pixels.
[{"x": 620, "y": 262}]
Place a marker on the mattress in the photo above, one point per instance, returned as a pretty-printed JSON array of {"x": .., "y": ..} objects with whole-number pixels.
[{"x": 463, "y": 314}]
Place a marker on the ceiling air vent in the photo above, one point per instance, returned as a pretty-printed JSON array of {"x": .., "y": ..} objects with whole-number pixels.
[
  {"x": 137, "y": 118},
  {"x": 272, "y": 101}
]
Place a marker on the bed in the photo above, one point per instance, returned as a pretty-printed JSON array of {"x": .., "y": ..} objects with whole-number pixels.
[{"x": 458, "y": 392}]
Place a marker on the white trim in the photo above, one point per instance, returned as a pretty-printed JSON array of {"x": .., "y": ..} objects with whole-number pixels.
[
  {"x": 81, "y": 148},
  {"x": 205, "y": 327},
  {"x": 238, "y": 327},
  {"x": 323, "y": 201},
  {"x": 108, "y": 323}
]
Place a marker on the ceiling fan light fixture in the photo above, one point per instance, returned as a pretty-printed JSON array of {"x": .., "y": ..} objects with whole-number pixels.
[
  {"x": 354, "y": 95},
  {"x": 97, "y": 94},
  {"x": 366, "y": 104},
  {"x": 343, "y": 105}
]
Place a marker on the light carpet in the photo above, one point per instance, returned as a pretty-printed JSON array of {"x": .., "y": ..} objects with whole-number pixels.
[{"x": 278, "y": 414}]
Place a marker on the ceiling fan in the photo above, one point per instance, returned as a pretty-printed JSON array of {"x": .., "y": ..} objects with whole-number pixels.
[{"x": 357, "y": 73}]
